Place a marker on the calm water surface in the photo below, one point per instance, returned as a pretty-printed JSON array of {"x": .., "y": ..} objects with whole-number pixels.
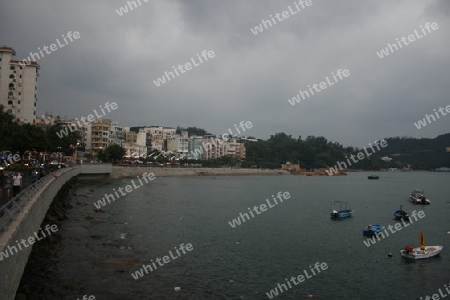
[{"x": 99, "y": 251}]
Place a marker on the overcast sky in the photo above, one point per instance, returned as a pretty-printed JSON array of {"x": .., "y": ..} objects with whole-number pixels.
[{"x": 251, "y": 77}]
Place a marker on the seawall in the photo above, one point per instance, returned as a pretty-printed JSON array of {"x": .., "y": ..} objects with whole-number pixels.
[{"x": 133, "y": 172}]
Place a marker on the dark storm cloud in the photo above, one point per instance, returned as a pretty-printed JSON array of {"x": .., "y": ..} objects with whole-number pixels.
[{"x": 252, "y": 76}]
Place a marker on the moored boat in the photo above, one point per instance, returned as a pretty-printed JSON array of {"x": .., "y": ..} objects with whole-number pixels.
[
  {"x": 421, "y": 252},
  {"x": 372, "y": 229},
  {"x": 340, "y": 211},
  {"x": 418, "y": 197},
  {"x": 341, "y": 214},
  {"x": 401, "y": 215},
  {"x": 373, "y": 177}
]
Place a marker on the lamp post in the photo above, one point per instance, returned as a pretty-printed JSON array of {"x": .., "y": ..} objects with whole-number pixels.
[
  {"x": 59, "y": 156},
  {"x": 100, "y": 154}
]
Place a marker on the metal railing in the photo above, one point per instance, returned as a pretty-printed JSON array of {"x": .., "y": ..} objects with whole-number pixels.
[{"x": 9, "y": 211}]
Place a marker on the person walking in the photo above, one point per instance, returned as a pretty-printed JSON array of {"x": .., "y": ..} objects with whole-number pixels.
[
  {"x": 17, "y": 183},
  {"x": 34, "y": 175},
  {"x": 8, "y": 185}
]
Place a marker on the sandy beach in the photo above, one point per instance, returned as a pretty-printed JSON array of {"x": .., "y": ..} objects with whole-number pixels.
[{"x": 133, "y": 172}]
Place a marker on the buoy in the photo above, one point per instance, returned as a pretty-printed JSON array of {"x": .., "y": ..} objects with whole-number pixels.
[
  {"x": 177, "y": 289},
  {"x": 389, "y": 254}
]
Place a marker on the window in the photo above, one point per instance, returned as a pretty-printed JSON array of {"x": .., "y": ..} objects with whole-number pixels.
[
  {"x": 12, "y": 68},
  {"x": 10, "y": 102},
  {"x": 11, "y": 76},
  {"x": 10, "y": 94}
]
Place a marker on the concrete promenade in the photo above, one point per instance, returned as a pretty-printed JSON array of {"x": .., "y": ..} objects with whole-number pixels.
[{"x": 27, "y": 216}]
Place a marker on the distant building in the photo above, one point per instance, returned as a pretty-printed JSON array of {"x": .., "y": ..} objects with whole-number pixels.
[
  {"x": 98, "y": 135},
  {"x": 235, "y": 149},
  {"x": 447, "y": 149},
  {"x": 117, "y": 135},
  {"x": 178, "y": 144},
  {"x": 290, "y": 167},
  {"x": 386, "y": 158},
  {"x": 18, "y": 86}
]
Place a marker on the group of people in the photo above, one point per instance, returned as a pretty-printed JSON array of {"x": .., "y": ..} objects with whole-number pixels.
[{"x": 13, "y": 182}]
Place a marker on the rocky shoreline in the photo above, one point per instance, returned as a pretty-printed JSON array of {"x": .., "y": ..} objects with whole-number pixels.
[{"x": 42, "y": 258}]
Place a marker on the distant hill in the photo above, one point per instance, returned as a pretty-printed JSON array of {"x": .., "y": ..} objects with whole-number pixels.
[
  {"x": 317, "y": 152},
  {"x": 421, "y": 154}
]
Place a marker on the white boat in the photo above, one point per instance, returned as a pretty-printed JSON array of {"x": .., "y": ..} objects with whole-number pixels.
[
  {"x": 421, "y": 252},
  {"x": 418, "y": 197}
]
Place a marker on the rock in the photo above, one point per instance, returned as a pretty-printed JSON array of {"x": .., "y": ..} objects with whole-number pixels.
[
  {"x": 110, "y": 244},
  {"x": 96, "y": 237}
]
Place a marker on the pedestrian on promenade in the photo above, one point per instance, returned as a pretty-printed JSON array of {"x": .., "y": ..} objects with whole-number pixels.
[
  {"x": 8, "y": 186},
  {"x": 17, "y": 183},
  {"x": 34, "y": 175}
]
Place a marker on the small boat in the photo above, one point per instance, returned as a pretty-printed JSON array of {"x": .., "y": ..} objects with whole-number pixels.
[
  {"x": 340, "y": 210},
  {"x": 421, "y": 252},
  {"x": 401, "y": 215},
  {"x": 373, "y": 177},
  {"x": 372, "y": 230},
  {"x": 418, "y": 197}
]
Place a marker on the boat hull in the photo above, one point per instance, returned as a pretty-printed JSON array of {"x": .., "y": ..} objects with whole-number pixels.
[
  {"x": 342, "y": 214},
  {"x": 429, "y": 252},
  {"x": 419, "y": 201},
  {"x": 372, "y": 230},
  {"x": 401, "y": 215},
  {"x": 418, "y": 197}
]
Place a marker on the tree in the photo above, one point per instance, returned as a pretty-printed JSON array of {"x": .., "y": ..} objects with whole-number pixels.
[
  {"x": 29, "y": 137},
  {"x": 7, "y": 128},
  {"x": 57, "y": 139},
  {"x": 114, "y": 153}
]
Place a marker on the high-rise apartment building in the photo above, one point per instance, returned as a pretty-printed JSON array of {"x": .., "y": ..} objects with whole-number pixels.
[{"x": 18, "y": 86}]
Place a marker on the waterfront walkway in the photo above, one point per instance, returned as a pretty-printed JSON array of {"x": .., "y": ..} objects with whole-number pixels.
[{"x": 21, "y": 217}]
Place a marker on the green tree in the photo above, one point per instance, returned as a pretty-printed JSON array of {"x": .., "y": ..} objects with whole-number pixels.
[
  {"x": 114, "y": 153},
  {"x": 7, "y": 127},
  {"x": 29, "y": 137},
  {"x": 57, "y": 139}
]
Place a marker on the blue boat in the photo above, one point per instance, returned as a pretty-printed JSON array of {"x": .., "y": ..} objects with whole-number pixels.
[
  {"x": 401, "y": 215},
  {"x": 372, "y": 230},
  {"x": 340, "y": 210},
  {"x": 341, "y": 214}
]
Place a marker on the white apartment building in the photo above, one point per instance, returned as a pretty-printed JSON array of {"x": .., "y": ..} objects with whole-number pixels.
[
  {"x": 156, "y": 137},
  {"x": 18, "y": 86},
  {"x": 117, "y": 135},
  {"x": 235, "y": 149},
  {"x": 213, "y": 148},
  {"x": 178, "y": 144}
]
